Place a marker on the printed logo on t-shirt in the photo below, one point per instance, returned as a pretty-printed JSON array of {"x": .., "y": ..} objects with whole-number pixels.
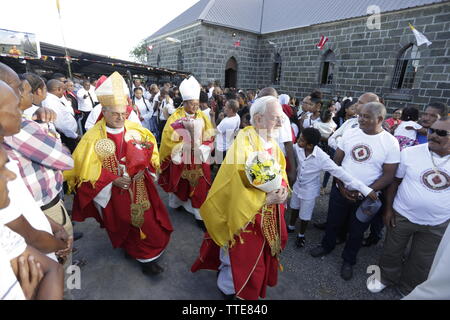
[
  {"x": 361, "y": 153},
  {"x": 436, "y": 181}
]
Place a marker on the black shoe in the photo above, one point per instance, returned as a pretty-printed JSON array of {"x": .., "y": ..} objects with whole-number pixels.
[
  {"x": 370, "y": 241},
  {"x": 321, "y": 226},
  {"x": 300, "y": 242},
  {"x": 346, "y": 271},
  {"x": 290, "y": 230},
  {"x": 228, "y": 297},
  {"x": 201, "y": 224},
  {"x": 318, "y": 252},
  {"x": 151, "y": 268},
  {"x": 77, "y": 236},
  {"x": 127, "y": 256}
]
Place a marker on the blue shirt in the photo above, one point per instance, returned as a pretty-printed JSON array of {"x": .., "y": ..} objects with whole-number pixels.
[{"x": 422, "y": 139}]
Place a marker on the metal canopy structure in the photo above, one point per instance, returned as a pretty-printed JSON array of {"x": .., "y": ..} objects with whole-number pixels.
[{"x": 85, "y": 64}]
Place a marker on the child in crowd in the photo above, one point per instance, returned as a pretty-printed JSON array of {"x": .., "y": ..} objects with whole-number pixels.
[
  {"x": 326, "y": 125},
  {"x": 311, "y": 162},
  {"x": 406, "y": 132}
]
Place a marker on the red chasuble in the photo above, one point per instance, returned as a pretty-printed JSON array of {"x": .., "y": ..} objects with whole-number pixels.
[
  {"x": 116, "y": 217},
  {"x": 171, "y": 180},
  {"x": 252, "y": 265}
]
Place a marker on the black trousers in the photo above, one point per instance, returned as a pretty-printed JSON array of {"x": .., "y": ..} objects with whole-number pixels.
[{"x": 340, "y": 212}]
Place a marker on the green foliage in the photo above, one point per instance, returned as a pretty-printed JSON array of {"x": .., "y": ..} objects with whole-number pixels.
[{"x": 139, "y": 53}]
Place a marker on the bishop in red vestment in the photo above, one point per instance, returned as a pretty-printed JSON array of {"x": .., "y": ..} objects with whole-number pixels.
[{"x": 113, "y": 177}]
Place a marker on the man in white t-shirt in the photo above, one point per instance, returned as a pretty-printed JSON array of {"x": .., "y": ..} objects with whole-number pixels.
[
  {"x": 417, "y": 209},
  {"x": 227, "y": 129},
  {"x": 372, "y": 155},
  {"x": 352, "y": 123}
]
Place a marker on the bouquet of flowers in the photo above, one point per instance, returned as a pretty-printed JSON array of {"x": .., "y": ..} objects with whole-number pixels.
[
  {"x": 179, "y": 123},
  {"x": 192, "y": 126},
  {"x": 263, "y": 172},
  {"x": 138, "y": 156}
]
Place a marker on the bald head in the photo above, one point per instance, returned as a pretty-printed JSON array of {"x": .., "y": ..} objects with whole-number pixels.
[
  {"x": 10, "y": 115},
  {"x": 10, "y": 77},
  {"x": 55, "y": 87},
  {"x": 266, "y": 92},
  {"x": 368, "y": 97}
]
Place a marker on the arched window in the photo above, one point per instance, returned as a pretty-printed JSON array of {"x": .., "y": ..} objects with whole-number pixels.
[
  {"x": 231, "y": 69},
  {"x": 180, "y": 60},
  {"x": 406, "y": 67},
  {"x": 327, "y": 68},
  {"x": 276, "y": 69}
]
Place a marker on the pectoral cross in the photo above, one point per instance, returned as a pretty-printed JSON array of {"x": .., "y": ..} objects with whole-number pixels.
[{"x": 192, "y": 176}]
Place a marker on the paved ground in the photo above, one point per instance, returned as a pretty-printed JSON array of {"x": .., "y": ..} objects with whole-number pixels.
[{"x": 108, "y": 275}]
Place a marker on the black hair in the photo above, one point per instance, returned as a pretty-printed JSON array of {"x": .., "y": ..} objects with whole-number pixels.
[
  {"x": 347, "y": 104},
  {"x": 58, "y": 75},
  {"x": 325, "y": 116},
  {"x": 316, "y": 96},
  {"x": 35, "y": 81},
  {"x": 442, "y": 107},
  {"x": 410, "y": 114},
  {"x": 311, "y": 136},
  {"x": 203, "y": 97},
  {"x": 137, "y": 88}
]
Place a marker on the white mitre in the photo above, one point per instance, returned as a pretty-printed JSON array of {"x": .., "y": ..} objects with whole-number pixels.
[
  {"x": 190, "y": 89},
  {"x": 113, "y": 91}
]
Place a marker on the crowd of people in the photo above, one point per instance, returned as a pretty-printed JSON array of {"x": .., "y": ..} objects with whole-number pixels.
[{"x": 247, "y": 164}]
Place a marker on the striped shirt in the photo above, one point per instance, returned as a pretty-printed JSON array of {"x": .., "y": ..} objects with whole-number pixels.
[{"x": 41, "y": 158}]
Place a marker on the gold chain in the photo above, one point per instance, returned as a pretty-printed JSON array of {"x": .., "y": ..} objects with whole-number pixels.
[
  {"x": 270, "y": 228},
  {"x": 435, "y": 167}
]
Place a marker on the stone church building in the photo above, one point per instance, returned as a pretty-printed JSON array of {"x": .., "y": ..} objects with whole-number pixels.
[{"x": 252, "y": 44}]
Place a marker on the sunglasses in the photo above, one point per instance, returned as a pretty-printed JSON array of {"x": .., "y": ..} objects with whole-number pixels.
[{"x": 440, "y": 133}]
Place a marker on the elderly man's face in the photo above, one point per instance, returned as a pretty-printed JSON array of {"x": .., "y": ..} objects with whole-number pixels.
[
  {"x": 5, "y": 176},
  {"x": 436, "y": 141},
  {"x": 429, "y": 116},
  {"x": 368, "y": 120},
  {"x": 272, "y": 119},
  {"x": 191, "y": 106},
  {"x": 115, "y": 116}
]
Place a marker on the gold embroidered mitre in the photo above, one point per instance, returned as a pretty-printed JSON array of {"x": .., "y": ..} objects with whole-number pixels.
[{"x": 113, "y": 92}]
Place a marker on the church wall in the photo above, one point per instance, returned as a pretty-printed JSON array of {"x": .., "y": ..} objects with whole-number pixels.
[{"x": 365, "y": 59}]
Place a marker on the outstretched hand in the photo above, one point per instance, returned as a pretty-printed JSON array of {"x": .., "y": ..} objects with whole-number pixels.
[{"x": 44, "y": 115}]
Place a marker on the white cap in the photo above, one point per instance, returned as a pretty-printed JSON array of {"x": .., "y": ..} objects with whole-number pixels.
[{"x": 190, "y": 89}]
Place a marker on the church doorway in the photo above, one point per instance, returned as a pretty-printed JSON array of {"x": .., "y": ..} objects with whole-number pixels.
[{"x": 231, "y": 73}]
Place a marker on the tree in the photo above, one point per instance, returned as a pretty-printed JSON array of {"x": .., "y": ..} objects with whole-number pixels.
[{"x": 139, "y": 53}]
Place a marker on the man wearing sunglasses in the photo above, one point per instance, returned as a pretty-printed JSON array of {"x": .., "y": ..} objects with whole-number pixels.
[
  {"x": 433, "y": 112},
  {"x": 417, "y": 205}
]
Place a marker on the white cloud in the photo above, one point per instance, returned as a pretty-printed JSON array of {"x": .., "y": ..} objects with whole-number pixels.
[{"x": 108, "y": 27}]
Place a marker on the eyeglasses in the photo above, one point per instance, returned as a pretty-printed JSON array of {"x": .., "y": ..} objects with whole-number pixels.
[
  {"x": 440, "y": 133},
  {"x": 119, "y": 114},
  {"x": 278, "y": 119}
]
